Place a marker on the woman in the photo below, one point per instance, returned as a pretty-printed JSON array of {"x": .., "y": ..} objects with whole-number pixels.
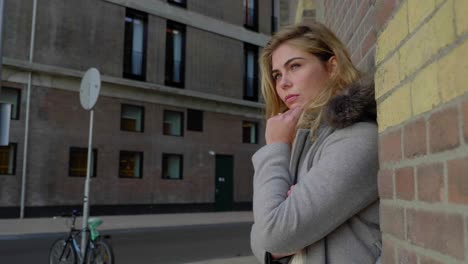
[{"x": 321, "y": 137}]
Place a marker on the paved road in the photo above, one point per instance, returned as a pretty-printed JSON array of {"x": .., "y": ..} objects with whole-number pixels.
[{"x": 155, "y": 245}]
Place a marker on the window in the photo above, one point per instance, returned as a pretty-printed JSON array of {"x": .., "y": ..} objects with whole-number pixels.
[
  {"x": 135, "y": 45},
  {"x": 249, "y": 132},
  {"x": 12, "y": 96},
  {"x": 131, "y": 164},
  {"x": 172, "y": 166},
  {"x": 275, "y": 11},
  {"x": 181, "y": 3},
  {"x": 250, "y": 72},
  {"x": 251, "y": 14},
  {"x": 173, "y": 123},
  {"x": 175, "y": 54},
  {"x": 79, "y": 161},
  {"x": 194, "y": 120},
  {"x": 8, "y": 159},
  {"x": 132, "y": 118}
]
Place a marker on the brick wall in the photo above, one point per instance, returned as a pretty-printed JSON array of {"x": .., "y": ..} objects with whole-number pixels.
[
  {"x": 421, "y": 91},
  {"x": 418, "y": 50}
]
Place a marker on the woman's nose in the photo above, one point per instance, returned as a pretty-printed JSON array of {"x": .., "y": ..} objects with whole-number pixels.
[{"x": 285, "y": 83}]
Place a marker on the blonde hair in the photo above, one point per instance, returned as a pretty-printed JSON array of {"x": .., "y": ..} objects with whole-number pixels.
[{"x": 318, "y": 40}]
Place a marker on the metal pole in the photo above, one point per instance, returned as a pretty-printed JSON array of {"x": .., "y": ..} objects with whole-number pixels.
[
  {"x": 28, "y": 99},
  {"x": 86, "y": 192}
]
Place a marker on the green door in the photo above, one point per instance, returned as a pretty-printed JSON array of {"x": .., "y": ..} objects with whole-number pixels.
[{"x": 223, "y": 182}]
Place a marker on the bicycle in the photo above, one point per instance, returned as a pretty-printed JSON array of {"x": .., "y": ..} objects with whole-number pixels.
[{"x": 67, "y": 250}]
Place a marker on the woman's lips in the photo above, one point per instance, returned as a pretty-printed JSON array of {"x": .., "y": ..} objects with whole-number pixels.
[{"x": 291, "y": 98}]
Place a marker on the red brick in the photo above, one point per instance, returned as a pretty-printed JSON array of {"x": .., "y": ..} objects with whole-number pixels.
[
  {"x": 438, "y": 231},
  {"x": 406, "y": 257},
  {"x": 443, "y": 130},
  {"x": 385, "y": 180},
  {"x": 388, "y": 252},
  {"x": 404, "y": 183},
  {"x": 383, "y": 11},
  {"x": 465, "y": 121},
  {"x": 458, "y": 180},
  {"x": 427, "y": 260},
  {"x": 390, "y": 147},
  {"x": 430, "y": 182},
  {"x": 392, "y": 221},
  {"x": 414, "y": 139}
]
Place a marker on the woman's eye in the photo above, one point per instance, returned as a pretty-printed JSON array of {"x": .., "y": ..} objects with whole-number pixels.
[
  {"x": 276, "y": 77},
  {"x": 295, "y": 66}
]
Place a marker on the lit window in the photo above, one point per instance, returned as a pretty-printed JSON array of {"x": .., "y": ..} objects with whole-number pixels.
[
  {"x": 131, "y": 164},
  {"x": 8, "y": 159},
  {"x": 172, "y": 166},
  {"x": 132, "y": 118},
  {"x": 79, "y": 161},
  {"x": 173, "y": 123},
  {"x": 249, "y": 132}
]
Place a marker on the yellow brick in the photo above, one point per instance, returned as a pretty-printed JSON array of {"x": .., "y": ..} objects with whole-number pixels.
[
  {"x": 418, "y": 10},
  {"x": 425, "y": 90},
  {"x": 442, "y": 23},
  {"x": 453, "y": 69},
  {"x": 394, "y": 33},
  {"x": 417, "y": 50},
  {"x": 395, "y": 109},
  {"x": 461, "y": 18},
  {"x": 387, "y": 76}
]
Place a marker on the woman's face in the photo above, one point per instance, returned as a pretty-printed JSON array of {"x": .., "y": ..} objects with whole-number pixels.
[{"x": 298, "y": 75}]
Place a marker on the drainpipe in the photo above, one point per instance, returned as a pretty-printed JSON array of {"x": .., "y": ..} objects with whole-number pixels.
[{"x": 28, "y": 99}]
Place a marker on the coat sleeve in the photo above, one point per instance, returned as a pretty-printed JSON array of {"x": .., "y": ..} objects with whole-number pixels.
[{"x": 340, "y": 183}]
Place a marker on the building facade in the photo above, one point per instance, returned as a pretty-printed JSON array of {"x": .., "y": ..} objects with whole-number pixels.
[{"x": 178, "y": 118}]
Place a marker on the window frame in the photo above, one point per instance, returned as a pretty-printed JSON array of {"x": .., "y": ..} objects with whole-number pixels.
[
  {"x": 191, "y": 126},
  {"x": 169, "y": 62},
  {"x": 182, "y": 128},
  {"x": 164, "y": 165},
  {"x": 135, "y": 14},
  {"x": 141, "y": 164},
  {"x": 94, "y": 157},
  {"x": 251, "y": 48},
  {"x": 256, "y": 131},
  {"x": 183, "y": 5},
  {"x": 17, "y": 103},
  {"x": 15, "y": 153},
  {"x": 142, "y": 117},
  {"x": 253, "y": 27}
]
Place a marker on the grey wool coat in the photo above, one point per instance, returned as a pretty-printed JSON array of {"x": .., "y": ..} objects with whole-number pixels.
[{"x": 332, "y": 213}]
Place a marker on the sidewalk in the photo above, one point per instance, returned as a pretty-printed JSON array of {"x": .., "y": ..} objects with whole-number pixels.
[
  {"x": 38, "y": 226},
  {"x": 16, "y": 228}
]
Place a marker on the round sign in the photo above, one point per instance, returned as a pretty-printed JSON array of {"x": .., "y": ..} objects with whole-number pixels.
[{"x": 90, "y": 88}]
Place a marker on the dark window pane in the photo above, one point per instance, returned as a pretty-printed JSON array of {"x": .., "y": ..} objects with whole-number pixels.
[
  {"x": 175, "y": 54},
  {"x": 250, "y": 72},
  {"x": 8, "y": 159},
  {"x": 194, "y": 120},
  {"x": 135, "y": 44},
  {"x": 182, "y": 3},
  {"x": 173, "y": 123},
  {"x": 132, "y": 118},
  {"x": 79, "y": 160},
  {"x": 250, "y": 14},
  {"x": 131, "y": 164},
  {"x": 172, "y": 166},
  {"x": 249, "y": 132},
  {"x": 12, "y": 96}
]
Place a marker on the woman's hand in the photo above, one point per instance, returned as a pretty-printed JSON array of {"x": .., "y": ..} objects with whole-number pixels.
[
  {"x": 282, "y": 127},
  {"x": 290, "y": 190}
]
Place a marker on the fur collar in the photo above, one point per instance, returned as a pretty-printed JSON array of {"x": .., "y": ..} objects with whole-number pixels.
[{"x": 355, "y": 104}]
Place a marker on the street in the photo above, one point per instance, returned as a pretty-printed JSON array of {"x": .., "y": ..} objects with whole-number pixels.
[{"x": 155, "y": 245}]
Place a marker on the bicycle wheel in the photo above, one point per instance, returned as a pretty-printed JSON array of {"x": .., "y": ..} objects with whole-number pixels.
[
  {"x": 62, "y": 252},
  {"x": 101, "y": 253}
]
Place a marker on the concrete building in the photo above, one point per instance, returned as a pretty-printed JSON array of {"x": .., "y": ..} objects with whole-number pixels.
[{"x": 177, "y": 120}]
